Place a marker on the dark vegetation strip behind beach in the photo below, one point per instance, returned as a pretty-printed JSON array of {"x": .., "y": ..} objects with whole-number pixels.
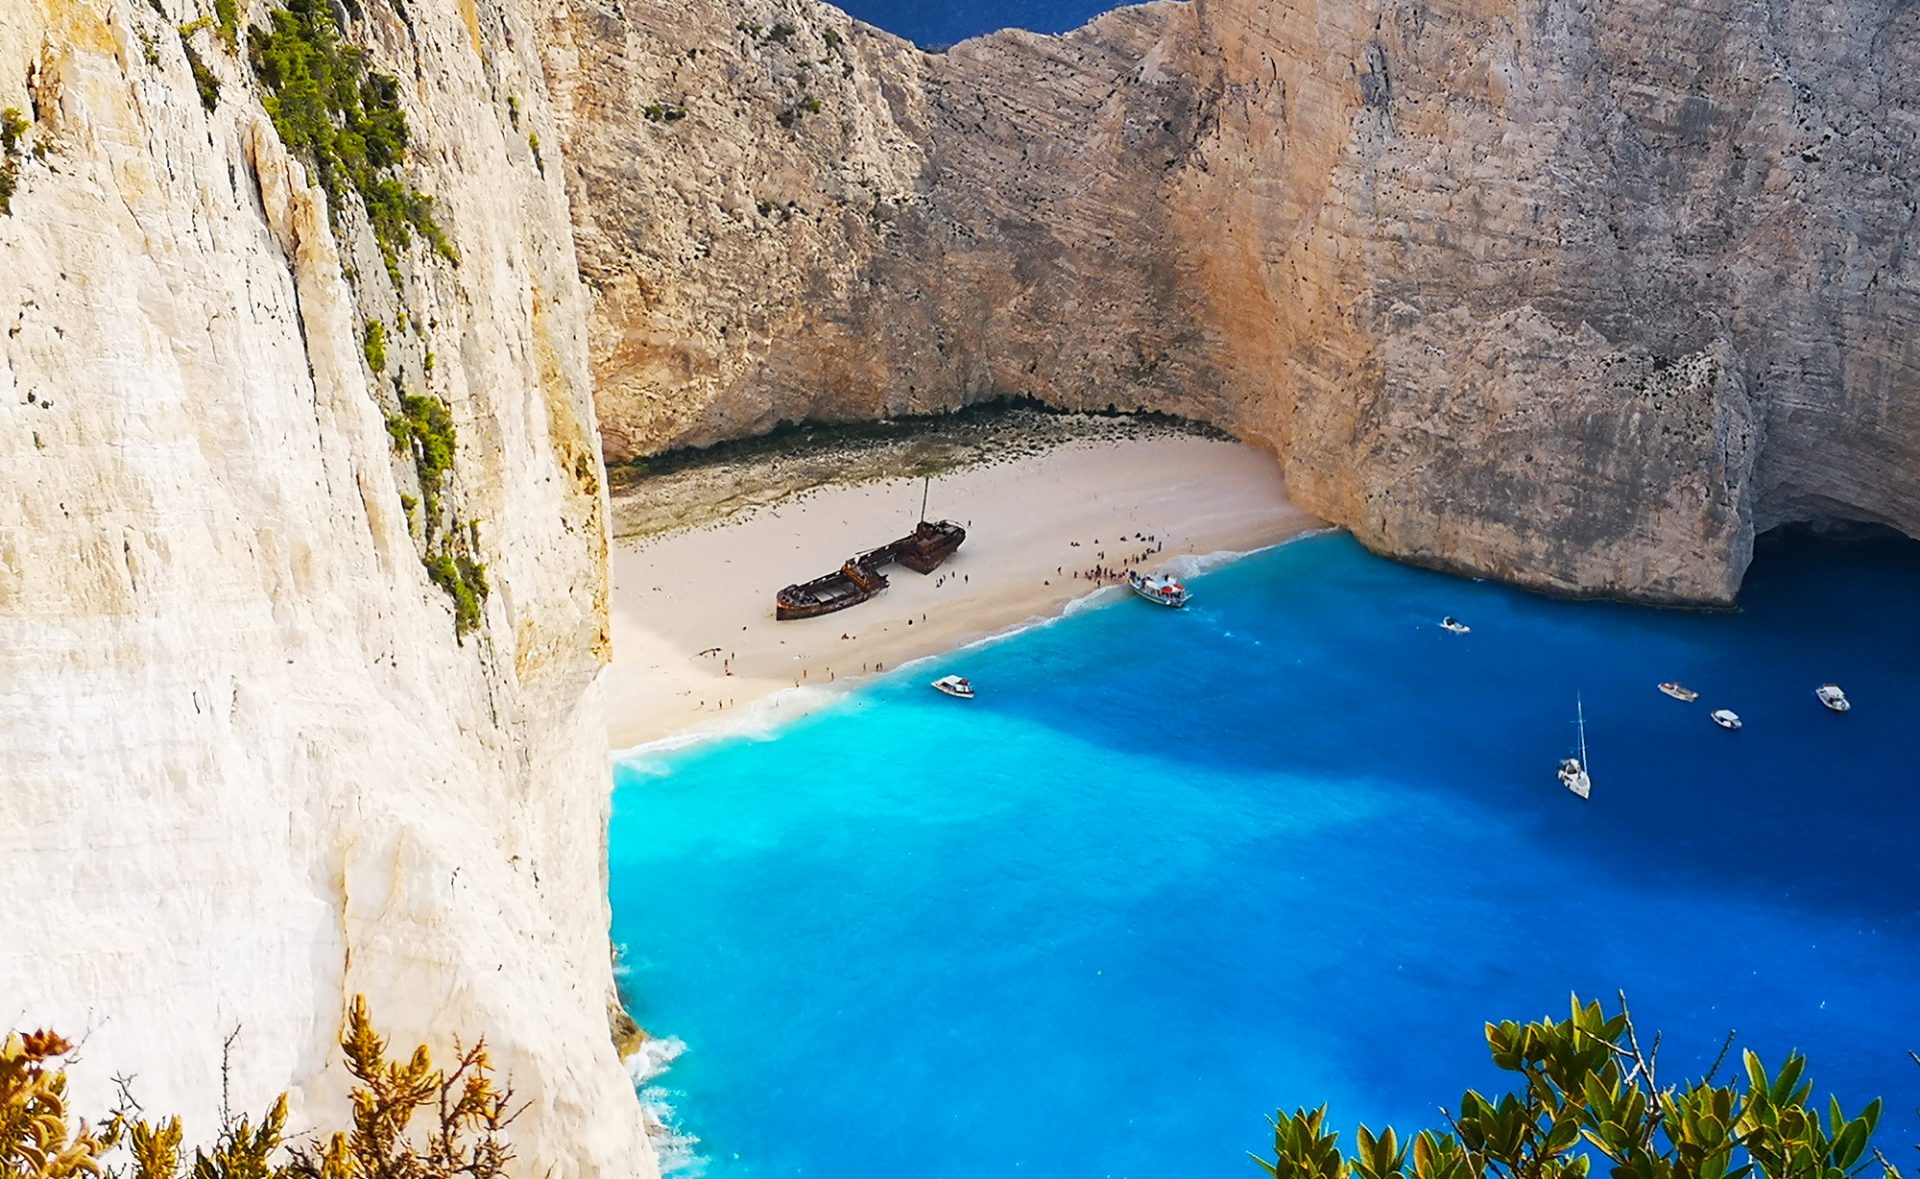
[{"x": 699, "y": 485}]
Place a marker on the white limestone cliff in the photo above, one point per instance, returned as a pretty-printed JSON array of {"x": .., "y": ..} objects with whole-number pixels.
[{"x": 249, "y": 767}]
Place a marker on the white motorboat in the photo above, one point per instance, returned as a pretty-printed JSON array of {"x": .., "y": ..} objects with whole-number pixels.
[
  {"x": 1161, "y": 591},
  {"x": 1453, "y": 625},
  {"x": 1680, "y": 692},
  {"x": 955, "y": 686},
  {"x": 1726, "y": 718},
  {"x": 1573, "y": 770},
  {"x": 1831, "y": 696}
]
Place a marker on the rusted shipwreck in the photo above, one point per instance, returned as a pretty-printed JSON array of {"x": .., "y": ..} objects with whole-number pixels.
[{"x": 861, "y": 577}]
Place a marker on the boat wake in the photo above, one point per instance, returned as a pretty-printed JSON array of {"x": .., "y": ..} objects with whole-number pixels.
[{"x": 676, "y": 1149}]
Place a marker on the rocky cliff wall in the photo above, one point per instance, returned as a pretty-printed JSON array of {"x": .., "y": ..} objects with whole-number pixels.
[
  {"x": 1578, "y": 297},
  {"x": 252, "y": 762}
]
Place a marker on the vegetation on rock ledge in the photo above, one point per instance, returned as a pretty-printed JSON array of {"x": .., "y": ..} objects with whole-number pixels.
[
  {"x": 465, "y": 581},
  {"x": 344, "y": 120},
  {"x": 375, "y": 345},
  {"x": 424, "y": 429},
  {"x": 204, "y": 80},
  {"x": 13, "y": 128}
]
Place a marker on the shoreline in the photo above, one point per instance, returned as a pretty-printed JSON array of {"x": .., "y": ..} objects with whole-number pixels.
[
  {"x": 807, "y": 700},
  {"x": 697, "y": 653}
]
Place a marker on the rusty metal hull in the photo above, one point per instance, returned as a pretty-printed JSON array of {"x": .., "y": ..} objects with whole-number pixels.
[{"x": 923, "y": 551}]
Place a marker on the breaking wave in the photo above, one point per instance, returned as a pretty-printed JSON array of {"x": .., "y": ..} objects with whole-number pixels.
[{"x": 677, "y": 1150}]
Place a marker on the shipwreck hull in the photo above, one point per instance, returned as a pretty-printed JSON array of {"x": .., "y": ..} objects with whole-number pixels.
[{"x": 923, "y": 551}]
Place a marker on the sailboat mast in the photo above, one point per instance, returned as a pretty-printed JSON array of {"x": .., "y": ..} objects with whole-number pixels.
[{"x": 1580, "y": 709}]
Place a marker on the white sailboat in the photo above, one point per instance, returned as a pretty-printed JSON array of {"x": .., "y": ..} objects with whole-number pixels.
[{"x": 1573, "y": 770}]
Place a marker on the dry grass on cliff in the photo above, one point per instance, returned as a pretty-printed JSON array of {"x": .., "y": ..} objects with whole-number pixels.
[{"x": 410, "y": 1121}]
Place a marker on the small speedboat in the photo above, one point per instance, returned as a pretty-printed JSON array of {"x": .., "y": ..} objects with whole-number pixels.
[
  {"x": 1453, "y": 625},
  {"x": 1831, "y": 696},
  {"x": 1161, "y": 591},
  {"x": 1726, "y": 718},
  {"x": 955, "y": 686},
  {"x": 1680, "y": 692}
]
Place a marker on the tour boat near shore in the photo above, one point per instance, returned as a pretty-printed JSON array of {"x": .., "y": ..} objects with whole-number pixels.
[
  {"x": 955, "y": 686},
  {"x": 1161, "y": 591},
  {"x": 1680, "y": 692}
]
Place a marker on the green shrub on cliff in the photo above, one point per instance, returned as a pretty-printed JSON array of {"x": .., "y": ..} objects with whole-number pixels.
[
  {"x": 375, "y": 345},
  {"x": 1588, "y": 1092},
  {"x": 344, "y": 120},
  {"x": 465, "y": 581},
  {"x": 226, "y": 15},
  {"x": 424, "y": 428},
  {"x": 13, "y": 128},
  {"x": 410, "y": 1121}
]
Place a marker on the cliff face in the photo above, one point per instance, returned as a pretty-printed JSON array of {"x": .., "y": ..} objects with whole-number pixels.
[
  {"x": 252, "y": 764},
  {"x": 1577, "y": 298}
]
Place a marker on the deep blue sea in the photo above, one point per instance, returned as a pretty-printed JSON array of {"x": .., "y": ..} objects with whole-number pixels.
[
  {"x": 1174, "y": 870},
  {"x": 939, "y": 23}
]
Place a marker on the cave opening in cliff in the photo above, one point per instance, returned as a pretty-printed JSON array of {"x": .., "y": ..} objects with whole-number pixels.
[{"x": 1806, "y": 546}]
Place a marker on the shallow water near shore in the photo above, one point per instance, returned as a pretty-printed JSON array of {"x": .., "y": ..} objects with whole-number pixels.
[{"x": 1172, "y": 870}]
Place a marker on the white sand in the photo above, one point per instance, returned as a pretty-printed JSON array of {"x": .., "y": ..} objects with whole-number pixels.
[{"x": 679, "y": 596}]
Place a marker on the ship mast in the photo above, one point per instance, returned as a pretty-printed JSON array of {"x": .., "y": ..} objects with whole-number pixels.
[{"x": 926, "y": 487}]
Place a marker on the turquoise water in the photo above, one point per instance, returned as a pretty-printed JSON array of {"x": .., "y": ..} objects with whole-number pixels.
[
  {"x": 943, "y": 22},
  {"x": 1171, "y": 871}
]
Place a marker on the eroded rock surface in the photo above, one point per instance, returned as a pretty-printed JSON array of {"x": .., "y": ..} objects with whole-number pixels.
[
  {"x": 250, "y": 766},
  {"x": 1580, "y": 296}
]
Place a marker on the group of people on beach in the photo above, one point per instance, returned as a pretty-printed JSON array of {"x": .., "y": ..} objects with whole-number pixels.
[
  {"x": 1100, "y": 571},
  {"x": 1103, "y": 572}
]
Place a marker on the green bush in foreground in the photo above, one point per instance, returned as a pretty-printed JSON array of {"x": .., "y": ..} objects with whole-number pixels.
[
  {"x": 410, "y": 1121},
  {"x": 1588, "y": 1092}
]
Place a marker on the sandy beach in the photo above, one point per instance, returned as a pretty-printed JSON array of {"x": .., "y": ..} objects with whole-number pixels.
[{"x": 696, "y": 647}]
